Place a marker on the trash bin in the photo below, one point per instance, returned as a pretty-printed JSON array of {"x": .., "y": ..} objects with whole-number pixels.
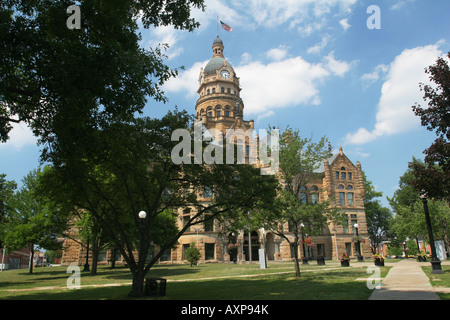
[{"x": 155, "y": 287}]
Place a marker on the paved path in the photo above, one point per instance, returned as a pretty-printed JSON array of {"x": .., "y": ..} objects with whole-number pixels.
[{"x": 405, "y": 281}]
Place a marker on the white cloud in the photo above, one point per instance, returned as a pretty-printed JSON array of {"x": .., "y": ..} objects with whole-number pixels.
[
  {"x": 375, "y": 75},
  {"x": 344, "y": 24},
  {"x": 400, "y": 91},
  {"x": 19, "y": 137},
  {"x": 246, "y": 58},
  {"x": 163, "y": 35},
  {"x": 339, "y": 68},
  {"x": 318, "y": 47},
  {"x": 400, "y": 4},
  {"x": 277, "y": 54},
  {"x": 273, "y": 12},
  {"x": 186, "y": 81},
  {"x": 280, "y": 84}
]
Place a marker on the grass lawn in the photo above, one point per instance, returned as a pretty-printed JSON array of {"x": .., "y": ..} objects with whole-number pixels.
[
  {"x": 439, "y": 280},
  {"x": 203, "y": 282}
]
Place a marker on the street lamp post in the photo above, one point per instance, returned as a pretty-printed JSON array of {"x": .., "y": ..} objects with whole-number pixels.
[
  {"x": 435, "y": 262},
  {"x": 358, "y": 243},
  {"x": 304, "y": 258}
]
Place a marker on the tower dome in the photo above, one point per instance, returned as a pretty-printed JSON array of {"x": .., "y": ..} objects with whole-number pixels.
[{"x": 218, "y": 60}]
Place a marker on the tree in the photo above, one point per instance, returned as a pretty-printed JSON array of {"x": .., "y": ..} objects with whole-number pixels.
[
  {"x": 33, "y": 221},
  {"x": 192, "y": 254},
  {"x": 65, "y": 83},
  {"x": 6, "y": 194},
  {"x": 129, "y": 169},
  {"x": 377, "y": 216},
  {"x": 295, "y": 211},
  {"x": 434, "y": 176},
  {"x": 409, "y": 221}
]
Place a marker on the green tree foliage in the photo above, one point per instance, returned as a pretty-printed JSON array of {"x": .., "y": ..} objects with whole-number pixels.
[
  {"x": 294, "y": 210},
  {"x": 66, "y": 83},
  {"x": 378, "y": 217},
  {"x": 131, "y": 170},
  {"x": 192, "y": 254},
  {"x": 33, "y": 221},
  {"x": 409, "y": 220},
  {"x": 433, "y": 176}
]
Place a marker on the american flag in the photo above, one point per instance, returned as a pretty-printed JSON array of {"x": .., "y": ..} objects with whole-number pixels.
[{"x": 225, "y": 26}]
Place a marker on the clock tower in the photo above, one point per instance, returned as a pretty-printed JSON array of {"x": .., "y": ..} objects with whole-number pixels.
[{"x": 219, "y": 104}]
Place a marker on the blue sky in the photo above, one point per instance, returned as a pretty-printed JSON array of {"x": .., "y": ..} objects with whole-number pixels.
[{"x": 313, "y": 65}]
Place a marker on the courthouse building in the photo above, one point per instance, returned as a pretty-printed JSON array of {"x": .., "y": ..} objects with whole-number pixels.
[{"x": 220, "y": 107}]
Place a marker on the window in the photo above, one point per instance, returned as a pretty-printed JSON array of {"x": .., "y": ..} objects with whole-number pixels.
[
  {"x": 213, "y": 90},
  {"x": 186, "y": 218},
  {"x": 321, "y": 250},
  {"x": 217, "y": 113},
  {"x": 228, "y": 90},
  {"x": 207, "y": 192},
  {"x": 345, "y": 225},
  {"x": 291, "y": 246},
  {"x": 341, "y": 187},
  {"x": 350, "y": 199},
  {"x": 303, "y": 197},
  {"x": 185, "y": 247},
  {"x": 337, "y": 174},
  {"x": 354, "y": 219},
  {"x": 222, "y": 90},
  {"x": 208, "y": 225},
  {"x": 150, "y": 254},
  {"x": 349, "y": 176},
  {"x": 348, "y": 248},
  {"x": 314, "y": 198},
  {"x": 343, "y": 175},
  {"x": 102, "y": 255},
  {"x": 166, "y": 256},
  {"x": 227, "y": 113},
  {"x": 209, "y": 251},
  {"x": 117, "y": 256},
  {"x": 349, "y": 187},
  {"x": 342, "y": 198},
  {"x": 208, "y": 92}
]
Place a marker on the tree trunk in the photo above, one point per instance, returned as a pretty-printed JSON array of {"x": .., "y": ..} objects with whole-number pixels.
[
  {"x": 30, "y": 271},
  {"x": 113, "y": 257},
  {"x": 95, "y": 251},
  {"x": 297, "y": 265},
  {"x": 137, "y": 287}
]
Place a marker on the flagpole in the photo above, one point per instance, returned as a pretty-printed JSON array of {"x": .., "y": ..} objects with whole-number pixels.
[{"x": 217, "y": 26}]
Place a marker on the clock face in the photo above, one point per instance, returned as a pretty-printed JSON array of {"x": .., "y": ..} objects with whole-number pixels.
[{"x": 225, "y": 74}]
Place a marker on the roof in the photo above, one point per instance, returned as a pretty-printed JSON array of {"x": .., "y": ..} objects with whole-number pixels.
[{"x": 214, "y": 64}]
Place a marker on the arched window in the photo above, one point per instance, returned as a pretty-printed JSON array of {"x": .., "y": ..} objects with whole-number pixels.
[
  {"x": 349, "y": 187},
  {"x": 227, "y": 111},
  {"x": 303, "y": 197},
  {"x": 314, "y": 188},
  {"x": 341, "y": 187}
]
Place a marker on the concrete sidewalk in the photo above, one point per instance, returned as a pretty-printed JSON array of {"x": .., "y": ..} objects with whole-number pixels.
[{"x": 405, "y": 281}]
